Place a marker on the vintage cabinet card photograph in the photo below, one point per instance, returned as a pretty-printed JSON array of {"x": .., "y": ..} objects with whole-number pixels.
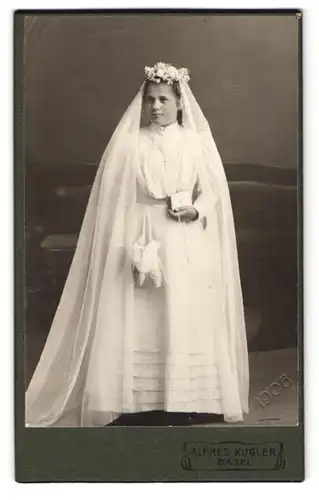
[{"x": 158, "y": 262}]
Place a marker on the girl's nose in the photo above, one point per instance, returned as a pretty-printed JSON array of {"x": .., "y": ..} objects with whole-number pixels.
[{"x": 156, "y": 105}]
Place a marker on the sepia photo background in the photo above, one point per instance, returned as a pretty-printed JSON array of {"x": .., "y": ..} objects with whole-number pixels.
[{"x": 82, "y": 71}]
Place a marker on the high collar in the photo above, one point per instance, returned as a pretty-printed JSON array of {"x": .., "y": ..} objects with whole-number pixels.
[{"x": 164, "y": 130}]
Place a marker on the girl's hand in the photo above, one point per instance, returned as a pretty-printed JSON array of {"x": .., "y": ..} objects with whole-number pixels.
[{"x": 183, "y": 214}]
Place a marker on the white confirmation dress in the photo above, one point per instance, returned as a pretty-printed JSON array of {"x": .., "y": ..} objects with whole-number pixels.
[{"x": 176, "y": 325}]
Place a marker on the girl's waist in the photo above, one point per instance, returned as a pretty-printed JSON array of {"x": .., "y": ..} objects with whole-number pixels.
[{"x": 143, "y": 199}]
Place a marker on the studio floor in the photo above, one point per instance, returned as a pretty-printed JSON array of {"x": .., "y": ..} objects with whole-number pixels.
[{"x": 273, "y": 388}]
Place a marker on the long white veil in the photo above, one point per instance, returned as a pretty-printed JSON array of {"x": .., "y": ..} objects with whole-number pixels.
[{"x": 99, "y": 291}]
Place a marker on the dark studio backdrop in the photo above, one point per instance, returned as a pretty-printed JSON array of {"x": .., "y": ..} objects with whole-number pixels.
[{"x": 81, "y": 73}]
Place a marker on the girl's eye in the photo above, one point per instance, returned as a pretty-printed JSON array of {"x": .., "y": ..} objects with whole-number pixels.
[{"x": 163, "y": 99}]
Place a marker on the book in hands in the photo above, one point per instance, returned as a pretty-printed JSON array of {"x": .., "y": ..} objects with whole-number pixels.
[{"x": 180, "y": 199}]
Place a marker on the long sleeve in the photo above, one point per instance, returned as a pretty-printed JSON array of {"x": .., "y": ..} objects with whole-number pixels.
[{"x": 203, "y": 202}]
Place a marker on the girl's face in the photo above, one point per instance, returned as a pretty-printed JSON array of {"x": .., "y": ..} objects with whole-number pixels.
[{"x": 160, "y": 104}]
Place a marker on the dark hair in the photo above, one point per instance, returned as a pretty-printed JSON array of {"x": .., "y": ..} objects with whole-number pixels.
[{"x": 177, "y": 91}]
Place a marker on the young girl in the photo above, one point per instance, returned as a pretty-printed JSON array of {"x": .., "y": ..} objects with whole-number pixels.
[{"x": 151, "y": 315}]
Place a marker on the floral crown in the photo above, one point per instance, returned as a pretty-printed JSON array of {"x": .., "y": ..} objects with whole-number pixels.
[{"x": 162, "y": 72}]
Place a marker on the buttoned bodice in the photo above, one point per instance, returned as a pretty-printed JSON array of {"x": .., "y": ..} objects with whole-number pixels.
[{"x": 168, "y": 160}]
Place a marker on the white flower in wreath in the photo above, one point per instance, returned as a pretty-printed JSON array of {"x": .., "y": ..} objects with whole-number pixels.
[{"x": 160, "y": 73}]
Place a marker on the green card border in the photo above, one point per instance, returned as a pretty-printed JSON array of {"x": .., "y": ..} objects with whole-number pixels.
[{"x": 130, "y": 454}]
